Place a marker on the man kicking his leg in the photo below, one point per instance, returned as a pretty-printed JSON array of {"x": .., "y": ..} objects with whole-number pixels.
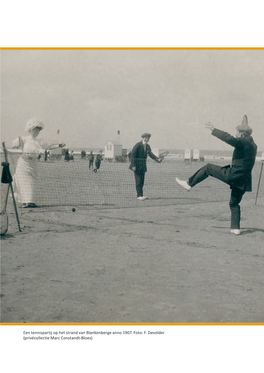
[{"x": 238, "y": 175}]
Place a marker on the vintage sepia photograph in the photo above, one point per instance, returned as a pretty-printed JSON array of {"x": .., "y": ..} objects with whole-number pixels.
[{"x": 132, "y": 185}]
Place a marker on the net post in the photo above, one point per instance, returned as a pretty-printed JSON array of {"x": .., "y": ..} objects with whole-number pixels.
[
  {"x": 11, "y": 187},
  {"x": 262, "y": 162}
]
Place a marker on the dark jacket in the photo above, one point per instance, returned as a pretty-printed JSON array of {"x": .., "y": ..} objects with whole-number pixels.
[
  {"x": 139, "y": 157},
  {"x": 90, "y": 157},
  {"x": 243, "y": 159},
  {"x": 98, "y": 159}
]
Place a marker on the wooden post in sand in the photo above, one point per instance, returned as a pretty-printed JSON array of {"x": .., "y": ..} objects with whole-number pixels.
[{"x": 262, "y": 162}]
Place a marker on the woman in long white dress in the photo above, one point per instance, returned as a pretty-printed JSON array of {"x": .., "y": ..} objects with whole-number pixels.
[{"x": 27, "y": 165}]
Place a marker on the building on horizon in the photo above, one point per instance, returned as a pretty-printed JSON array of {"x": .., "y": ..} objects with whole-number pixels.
[
  {"x": 187, "y": 155},
  {"x": 112, "y": 149}
]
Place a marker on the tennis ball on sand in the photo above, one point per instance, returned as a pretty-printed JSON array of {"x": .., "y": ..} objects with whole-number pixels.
[{"x": 73, "y": 209}]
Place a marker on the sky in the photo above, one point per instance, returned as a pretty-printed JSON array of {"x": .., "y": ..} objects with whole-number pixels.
[{"x": 89, "y": 95}]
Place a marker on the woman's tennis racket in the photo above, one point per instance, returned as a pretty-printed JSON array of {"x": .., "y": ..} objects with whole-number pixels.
[{"x": 4, "y": 217}]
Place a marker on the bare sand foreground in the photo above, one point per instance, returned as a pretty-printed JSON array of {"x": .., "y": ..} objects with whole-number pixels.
[{"x": 165, "y": 264}]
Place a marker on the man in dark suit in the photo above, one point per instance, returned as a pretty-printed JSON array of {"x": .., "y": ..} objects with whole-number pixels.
[
  {"x": 91, "y": 160},
  {"x": 98, "y": 160},
  {"x": 238, "y": 175},
  {"x": 139, "y": 163}
]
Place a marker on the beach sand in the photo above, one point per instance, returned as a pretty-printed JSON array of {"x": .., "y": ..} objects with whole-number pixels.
[
  {"x": 170, "y": 264},
  {"x": 169, "y": 259}
]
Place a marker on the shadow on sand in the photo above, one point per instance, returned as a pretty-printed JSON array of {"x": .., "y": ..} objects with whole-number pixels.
[
  {"x": 244, "y": 230},
  {"x": 251, "y": 230}
]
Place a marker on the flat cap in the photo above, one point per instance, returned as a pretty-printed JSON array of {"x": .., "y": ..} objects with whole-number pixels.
[
  {"x": 244, "y": 127},
  {"x": 146, "y": 135}
]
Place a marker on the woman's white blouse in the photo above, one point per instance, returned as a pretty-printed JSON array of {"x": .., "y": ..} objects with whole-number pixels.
[{"x": 31, "y": 145}]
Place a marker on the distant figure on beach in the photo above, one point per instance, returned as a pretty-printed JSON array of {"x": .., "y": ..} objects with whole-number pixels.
[
  {"x": 46, "y": 155},
  {"x": 238, "y": 175},
  {"x": 27, "y": 168},
  {"x": 98, "y": 160},
  {"x": 83, "y": 154},
  {"x": 67, "y": 155},
  {"x": 71, "y": 158},
  {"x": 138, "y": 163},
  {"x": 91, "y": 160}
]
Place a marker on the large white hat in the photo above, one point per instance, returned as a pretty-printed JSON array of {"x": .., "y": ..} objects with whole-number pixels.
[{"x": 33, "y": 123}]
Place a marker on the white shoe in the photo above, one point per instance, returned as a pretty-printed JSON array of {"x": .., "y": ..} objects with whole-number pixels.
[
  {"x": 184, "y": 184},
  {"x": 141, "y": 198},
  {"x": 235, "y": 231}
]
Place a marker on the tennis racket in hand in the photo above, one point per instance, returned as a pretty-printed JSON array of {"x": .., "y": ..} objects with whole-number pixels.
[{"x": 163, "y": 155}]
